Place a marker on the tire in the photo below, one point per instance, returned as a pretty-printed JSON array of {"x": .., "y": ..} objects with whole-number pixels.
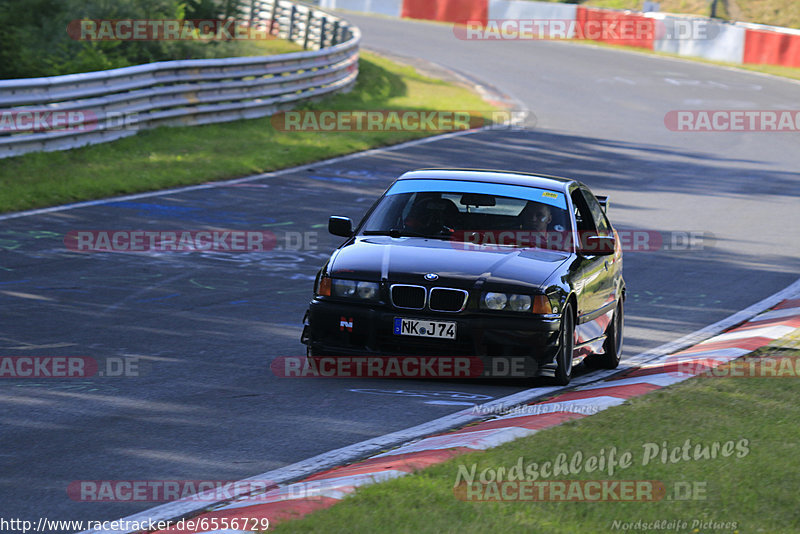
[
  {"x": 614, "y": 338},
  {"x": 563, "y": 372}
]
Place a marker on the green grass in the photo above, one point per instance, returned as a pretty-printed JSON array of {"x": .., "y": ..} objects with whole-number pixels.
[
  {"x": 775, "y": 70},
  {"x": 169, "y": 157},
  {"x": 264, "y": 47},
  {"x": 756, "y": 488}
]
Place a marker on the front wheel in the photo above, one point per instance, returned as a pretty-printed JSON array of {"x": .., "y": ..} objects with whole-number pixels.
[{"x": 563, "y": 372}]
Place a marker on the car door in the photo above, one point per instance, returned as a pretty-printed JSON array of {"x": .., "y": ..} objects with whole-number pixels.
[
  {"x": 606, "y": 292},
  {"x": 595, "y": 275}
]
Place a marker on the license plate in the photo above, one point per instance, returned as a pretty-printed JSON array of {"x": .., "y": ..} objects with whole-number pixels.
[{"x": 423, "y": 328}]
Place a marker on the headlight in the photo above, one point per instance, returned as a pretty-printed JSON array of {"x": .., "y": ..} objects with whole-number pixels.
[
  {"x": 367, "y": 290},
  {"x": 495, "y": 301},
  {"x": 516, "y": 303},
  {"x": 352, "y": 288},
  {"x": 519, "y": 303},
  {"x": 344, "y": 288}
]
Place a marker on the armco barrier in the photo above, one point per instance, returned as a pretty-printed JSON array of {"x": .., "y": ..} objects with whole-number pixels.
[
  {"x": 459, "y": 11},
  {"x": 771, "y": 46},
  {"x": 112, "y": 104}
]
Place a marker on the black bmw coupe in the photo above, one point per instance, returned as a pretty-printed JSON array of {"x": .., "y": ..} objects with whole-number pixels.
[{"x": 488, "y": 264}]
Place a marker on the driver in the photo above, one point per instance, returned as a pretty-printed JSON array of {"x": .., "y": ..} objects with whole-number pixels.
[
  {"x": 432, "y": 216},
  {"x": 535, "y": 217}
]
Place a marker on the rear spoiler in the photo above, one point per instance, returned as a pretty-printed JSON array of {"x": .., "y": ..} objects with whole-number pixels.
[{"x": 603, "y": 200}]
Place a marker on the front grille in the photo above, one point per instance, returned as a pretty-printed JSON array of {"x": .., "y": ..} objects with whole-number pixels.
[
  {"x": 408, "y": 297},
  {"x": 447, "y": 300}
]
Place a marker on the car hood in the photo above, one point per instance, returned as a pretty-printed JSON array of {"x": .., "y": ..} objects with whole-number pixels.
[{"x": 408, "y": 259}]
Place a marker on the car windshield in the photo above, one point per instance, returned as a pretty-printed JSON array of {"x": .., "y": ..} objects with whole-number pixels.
[{"x": 474, "y": 212}]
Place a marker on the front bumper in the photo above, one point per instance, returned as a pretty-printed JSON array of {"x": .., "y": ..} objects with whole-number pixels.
[{"x": 335, "y": 328}]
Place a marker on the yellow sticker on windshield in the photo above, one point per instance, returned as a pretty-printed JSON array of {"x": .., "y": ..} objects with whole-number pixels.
[{"x": 549, "y": 194}]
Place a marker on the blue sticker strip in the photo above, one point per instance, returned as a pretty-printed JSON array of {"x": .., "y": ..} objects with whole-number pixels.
[{"x": 502, "y": 190}]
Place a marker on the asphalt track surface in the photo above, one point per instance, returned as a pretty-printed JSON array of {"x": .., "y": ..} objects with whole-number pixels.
[{"x": 205, "y": 327}]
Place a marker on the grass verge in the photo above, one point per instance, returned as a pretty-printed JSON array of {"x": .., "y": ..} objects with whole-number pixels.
[
  {"x": 170, "y": 157},
  {"x": 752, "y": 490}
]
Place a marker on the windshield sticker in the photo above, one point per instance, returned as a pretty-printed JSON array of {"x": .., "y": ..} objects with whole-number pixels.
[{"x": 459, "y": 186}]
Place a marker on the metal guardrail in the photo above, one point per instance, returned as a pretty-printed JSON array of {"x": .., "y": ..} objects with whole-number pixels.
[{"x": 96, "y": 107}]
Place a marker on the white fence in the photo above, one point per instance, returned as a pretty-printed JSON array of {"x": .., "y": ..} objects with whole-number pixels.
[{"x": 63, "y": 112}]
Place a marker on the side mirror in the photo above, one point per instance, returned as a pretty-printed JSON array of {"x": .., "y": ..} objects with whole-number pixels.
[
  {"x": 598, "y": 245},
  {"x": 341, "y": 226}
]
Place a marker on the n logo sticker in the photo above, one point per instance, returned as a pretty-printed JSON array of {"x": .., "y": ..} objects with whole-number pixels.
[{"x": 346, "y": 323}]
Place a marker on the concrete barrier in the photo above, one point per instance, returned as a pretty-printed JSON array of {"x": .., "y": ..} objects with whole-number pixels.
[
  {"x": 615, "y": 27},
  {"x": 771, "y": 45},
  {"x": 458, "y": 11},
  {"x": 390, "y": 8},
  {"x": 500, "y": 10},
  {"x": 521, "y": 9},
  {"x": 710, "y": 39}
]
